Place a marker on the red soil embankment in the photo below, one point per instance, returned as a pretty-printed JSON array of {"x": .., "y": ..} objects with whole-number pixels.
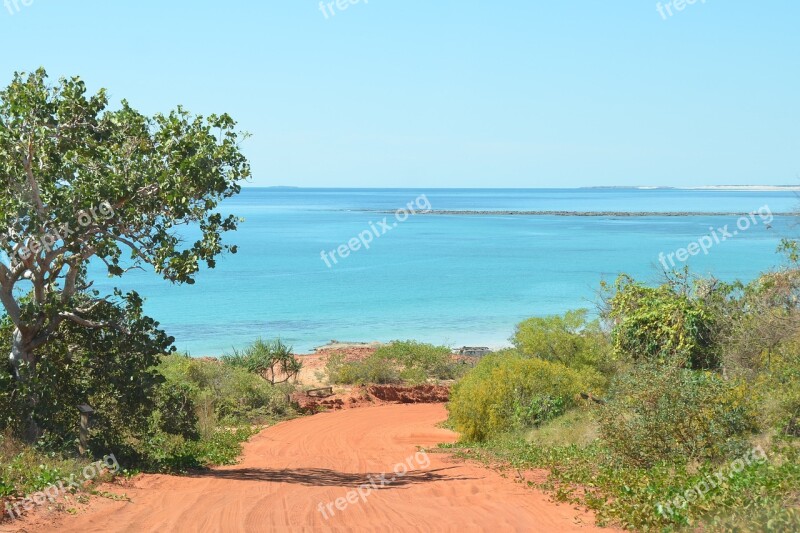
[{"x": 365, "y": 396}]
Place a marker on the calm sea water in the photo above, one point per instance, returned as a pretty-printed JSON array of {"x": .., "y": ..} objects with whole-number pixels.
[{"x": 455, "y": 279}]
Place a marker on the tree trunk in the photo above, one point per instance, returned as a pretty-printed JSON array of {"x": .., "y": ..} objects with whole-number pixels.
[{"x": 23, "y": 360}]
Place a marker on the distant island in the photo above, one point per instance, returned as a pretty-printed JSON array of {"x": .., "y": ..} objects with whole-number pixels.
[{"x": 763, "y": 188}]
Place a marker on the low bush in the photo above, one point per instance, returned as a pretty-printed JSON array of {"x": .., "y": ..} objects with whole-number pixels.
[
  {"x": 506, "y": 391},
  {"x": 577, "y": 426},
  {"x": 174, "y": 414},
  {"x": 760, "y": 497},
  {"x": 674, "y": 324},
  {"x": 272, "y": 360},
  {"x": 27, "y": 470},
  {"x": 225, "y": 395},
  {"x": 203, "y": 411},
  {"x": 779, "y": 383},
  {"x": 164, "y": 452},
  {"x": 571, "y": 340},
  {"x": 24, "y": 469},
  {"x": 398, "y": 362},
  {"x": 373, "y": 369},
  {"x": 678, "y": 415},
  {"x": 420, "y": 362}
]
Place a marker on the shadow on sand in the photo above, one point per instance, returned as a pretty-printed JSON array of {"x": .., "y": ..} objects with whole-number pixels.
[{"x": 322, "y": 477}]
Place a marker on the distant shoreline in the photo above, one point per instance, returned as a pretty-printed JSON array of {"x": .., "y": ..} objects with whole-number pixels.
[
  {"x": 745, "y": 188},
  {"x": 629, "y": 214},
  {"x": 731, "y": 188}
]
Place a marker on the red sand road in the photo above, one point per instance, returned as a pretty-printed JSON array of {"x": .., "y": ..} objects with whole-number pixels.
[{"x": 289, "y": 469}]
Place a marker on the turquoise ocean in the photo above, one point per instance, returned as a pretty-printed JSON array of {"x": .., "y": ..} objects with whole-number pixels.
[{"x": 463, "y": 279}]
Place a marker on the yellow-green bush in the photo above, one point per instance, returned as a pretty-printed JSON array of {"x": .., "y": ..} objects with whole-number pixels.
[
  {"x": 506, "y": 391},
  {"x": 571, "y": 339}
]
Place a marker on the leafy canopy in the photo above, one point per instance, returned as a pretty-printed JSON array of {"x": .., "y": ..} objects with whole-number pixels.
[{"x": 87, "y": 182}]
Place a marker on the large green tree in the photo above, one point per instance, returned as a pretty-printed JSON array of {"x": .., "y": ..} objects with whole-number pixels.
[{"x": 86, "y": 182}]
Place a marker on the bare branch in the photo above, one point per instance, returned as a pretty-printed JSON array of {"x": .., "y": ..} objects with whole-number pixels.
[
  {"x": 92, "y": 307},
  {"x": 32, "y": 183},
  {"x": 132, "y": 246},
  {"x": 82, "y": 321}
]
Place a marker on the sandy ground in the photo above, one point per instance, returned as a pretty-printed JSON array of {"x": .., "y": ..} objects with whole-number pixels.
[{"x": 293, "y": 469}]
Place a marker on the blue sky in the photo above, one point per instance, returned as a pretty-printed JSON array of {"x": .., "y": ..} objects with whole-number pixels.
[{"x": 410, "y": 93}]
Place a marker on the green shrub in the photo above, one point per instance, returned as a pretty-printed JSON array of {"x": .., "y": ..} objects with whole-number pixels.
[
  {"x": 373, "y": 369},
  {"x": 110, "y": 370},
  {"x": 25, "y": 470},
  {"x": 671, "y": 324},
  {"x": 398, "y": 362},
  {"x": 224, "y": 395},
  {"x": 153, "y": 412},
  {"x": 762, "y": 497},
  {"x": 576, "y": 426},
  {"x": 172, "y": 453},
  {"x": 377, "y": 368},
  {"x": 677, "y": 415},
  {"x": 420, "y": 361},
  {"x": 506, "y": 391},
  {"x": 204, "y": 410},
  {"x": 272, "y": 360},
  {"x": 571, "y": 340},
  {"x": 780, "y": 386}
]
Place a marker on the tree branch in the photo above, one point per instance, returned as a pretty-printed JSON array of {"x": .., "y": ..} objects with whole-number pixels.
[
  {"x": 82, "y": 321},
  {"x": 34, "y": 185}
]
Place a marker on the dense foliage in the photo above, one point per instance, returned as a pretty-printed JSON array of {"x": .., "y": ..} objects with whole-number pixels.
[
  {"x": 700, "y": 375},
  {"x": 111, "y": 370},
  {"x": 672, "y": 324},
  {"x": 225, "y": 395},
  {"x": 677, "y": 415},
  {"x": 153, "y": 412},
  {"x": 83, "y": 183},
  {"x": 506, "y": 391},
  {"x": 571, "y": 340}
]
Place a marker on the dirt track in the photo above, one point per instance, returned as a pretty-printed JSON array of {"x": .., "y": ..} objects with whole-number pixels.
[{"x": 290, "y": 469}]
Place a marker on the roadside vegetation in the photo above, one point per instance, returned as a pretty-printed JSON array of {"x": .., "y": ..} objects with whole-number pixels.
[
  {"x": 180, "y": 414},
  {"x": 678, "y": 411},
  {"x": 398, "y": 362},
  {"x": 272, "y": 360},
  {"x": 85, "y": 183}
]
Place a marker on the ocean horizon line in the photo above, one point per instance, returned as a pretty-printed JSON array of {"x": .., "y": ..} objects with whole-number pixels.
[{"x": 732, "y": 188}]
